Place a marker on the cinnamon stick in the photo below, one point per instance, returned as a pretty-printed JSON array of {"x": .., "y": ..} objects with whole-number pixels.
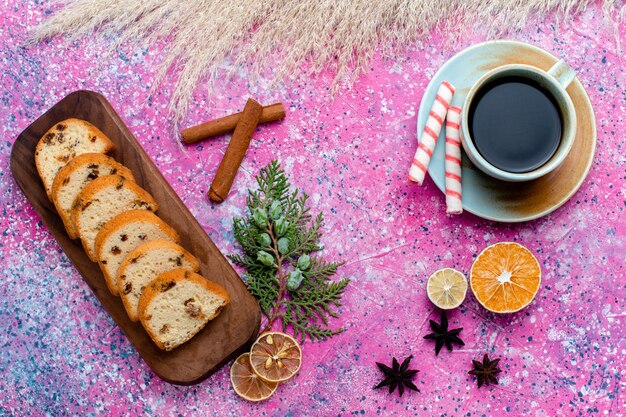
[
  {"x": 226, "y": 124},
  {"x": 236, "y": 150}
]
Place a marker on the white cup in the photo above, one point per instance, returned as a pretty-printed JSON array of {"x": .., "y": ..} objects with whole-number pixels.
[{"x": 555, "y": 81}]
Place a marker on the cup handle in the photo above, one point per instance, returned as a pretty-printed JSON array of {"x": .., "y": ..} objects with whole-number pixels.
[{"x": 563, "y": 73}]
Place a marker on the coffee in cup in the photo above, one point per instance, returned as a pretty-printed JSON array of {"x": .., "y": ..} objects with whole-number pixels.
[{"x": 518, "y": 121}]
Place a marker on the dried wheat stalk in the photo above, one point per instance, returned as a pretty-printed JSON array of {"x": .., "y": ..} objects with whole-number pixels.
[{"x": 205, "y": 37}]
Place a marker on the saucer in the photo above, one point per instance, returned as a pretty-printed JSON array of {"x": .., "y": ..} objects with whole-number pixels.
[{"x": 488, "y": 197}]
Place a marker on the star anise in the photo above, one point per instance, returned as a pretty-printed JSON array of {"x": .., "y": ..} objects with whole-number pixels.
[
  {"x": 442, "y": 335},
  {"x": 486, "y": 371},
  {"x": 398, "y": 376}
]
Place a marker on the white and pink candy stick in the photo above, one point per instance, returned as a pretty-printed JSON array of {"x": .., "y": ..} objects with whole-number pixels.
[
  {"x": 428, "y": 140},
  {"x": 453, "y": 161}
]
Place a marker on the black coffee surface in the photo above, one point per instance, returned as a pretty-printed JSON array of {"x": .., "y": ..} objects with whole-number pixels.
[{"x": 515, "y": 124}]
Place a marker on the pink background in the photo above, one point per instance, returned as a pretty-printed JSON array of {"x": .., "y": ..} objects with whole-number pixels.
[{"x": 564, "y": 355}]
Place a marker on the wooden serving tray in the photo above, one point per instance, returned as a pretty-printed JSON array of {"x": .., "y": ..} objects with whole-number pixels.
[{"x": 238, "y": 324}]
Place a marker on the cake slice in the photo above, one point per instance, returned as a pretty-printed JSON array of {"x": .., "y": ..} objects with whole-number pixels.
[
  {"x": 75, "y": 175},
  {"x": 145, "y": 263},
  {"x": 177, "y": 305},
  {"x": 103, "y": 199},
  {"x": 123, "y": 233},
  {"x": 63, "y": 142}
]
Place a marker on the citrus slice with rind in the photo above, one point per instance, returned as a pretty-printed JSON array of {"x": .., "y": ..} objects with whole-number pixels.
[
  {"x": 247, "y": 384},
  {"x": 505, "y": 277},
  {"x": 275, "y": 356},
  {"x": 446, "y": 288}
]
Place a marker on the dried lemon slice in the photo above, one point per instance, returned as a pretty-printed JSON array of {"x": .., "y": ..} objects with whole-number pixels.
[
  {"x": 447, "y": 288},
  {"x": 505, "y": 277},
  {"x": 247, "y": 384},
  {"x": 275, "y": 356}
]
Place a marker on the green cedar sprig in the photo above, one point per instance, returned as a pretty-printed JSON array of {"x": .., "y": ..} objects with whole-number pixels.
[{"x": 279, "y": 237}]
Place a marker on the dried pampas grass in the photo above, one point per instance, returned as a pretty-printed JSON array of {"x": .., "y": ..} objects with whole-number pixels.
[{"x": 204, "y": 37}]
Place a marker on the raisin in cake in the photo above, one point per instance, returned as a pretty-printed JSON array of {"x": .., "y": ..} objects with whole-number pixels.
[
  {"x": 103, "y": 199},
  {"x": 177, "y": 305},
  {"x": 63, "y": 142},
  {"x": 145, "y": 263},
  {"x": 74, "y": 176},
  {"x": 122, "y": 234}
]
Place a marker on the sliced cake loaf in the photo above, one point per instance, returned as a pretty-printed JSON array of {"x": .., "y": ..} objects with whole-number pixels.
[
  {"x": 123, "y": 233},
  {"x": 145, "y": 263},
  {"x": 100, "y": 201},
  {"x": 75, "y": 175},
  {"x": 177, "y": 305},
  {"x": 63, "y": 142}
]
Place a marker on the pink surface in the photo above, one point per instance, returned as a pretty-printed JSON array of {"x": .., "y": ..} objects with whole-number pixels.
[{"x": 564, "y": 355}]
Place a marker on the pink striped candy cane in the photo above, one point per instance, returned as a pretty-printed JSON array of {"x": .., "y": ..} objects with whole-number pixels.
[
  {"x": 428, "y": 140},
  {"x": 453, "y": 162}
]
